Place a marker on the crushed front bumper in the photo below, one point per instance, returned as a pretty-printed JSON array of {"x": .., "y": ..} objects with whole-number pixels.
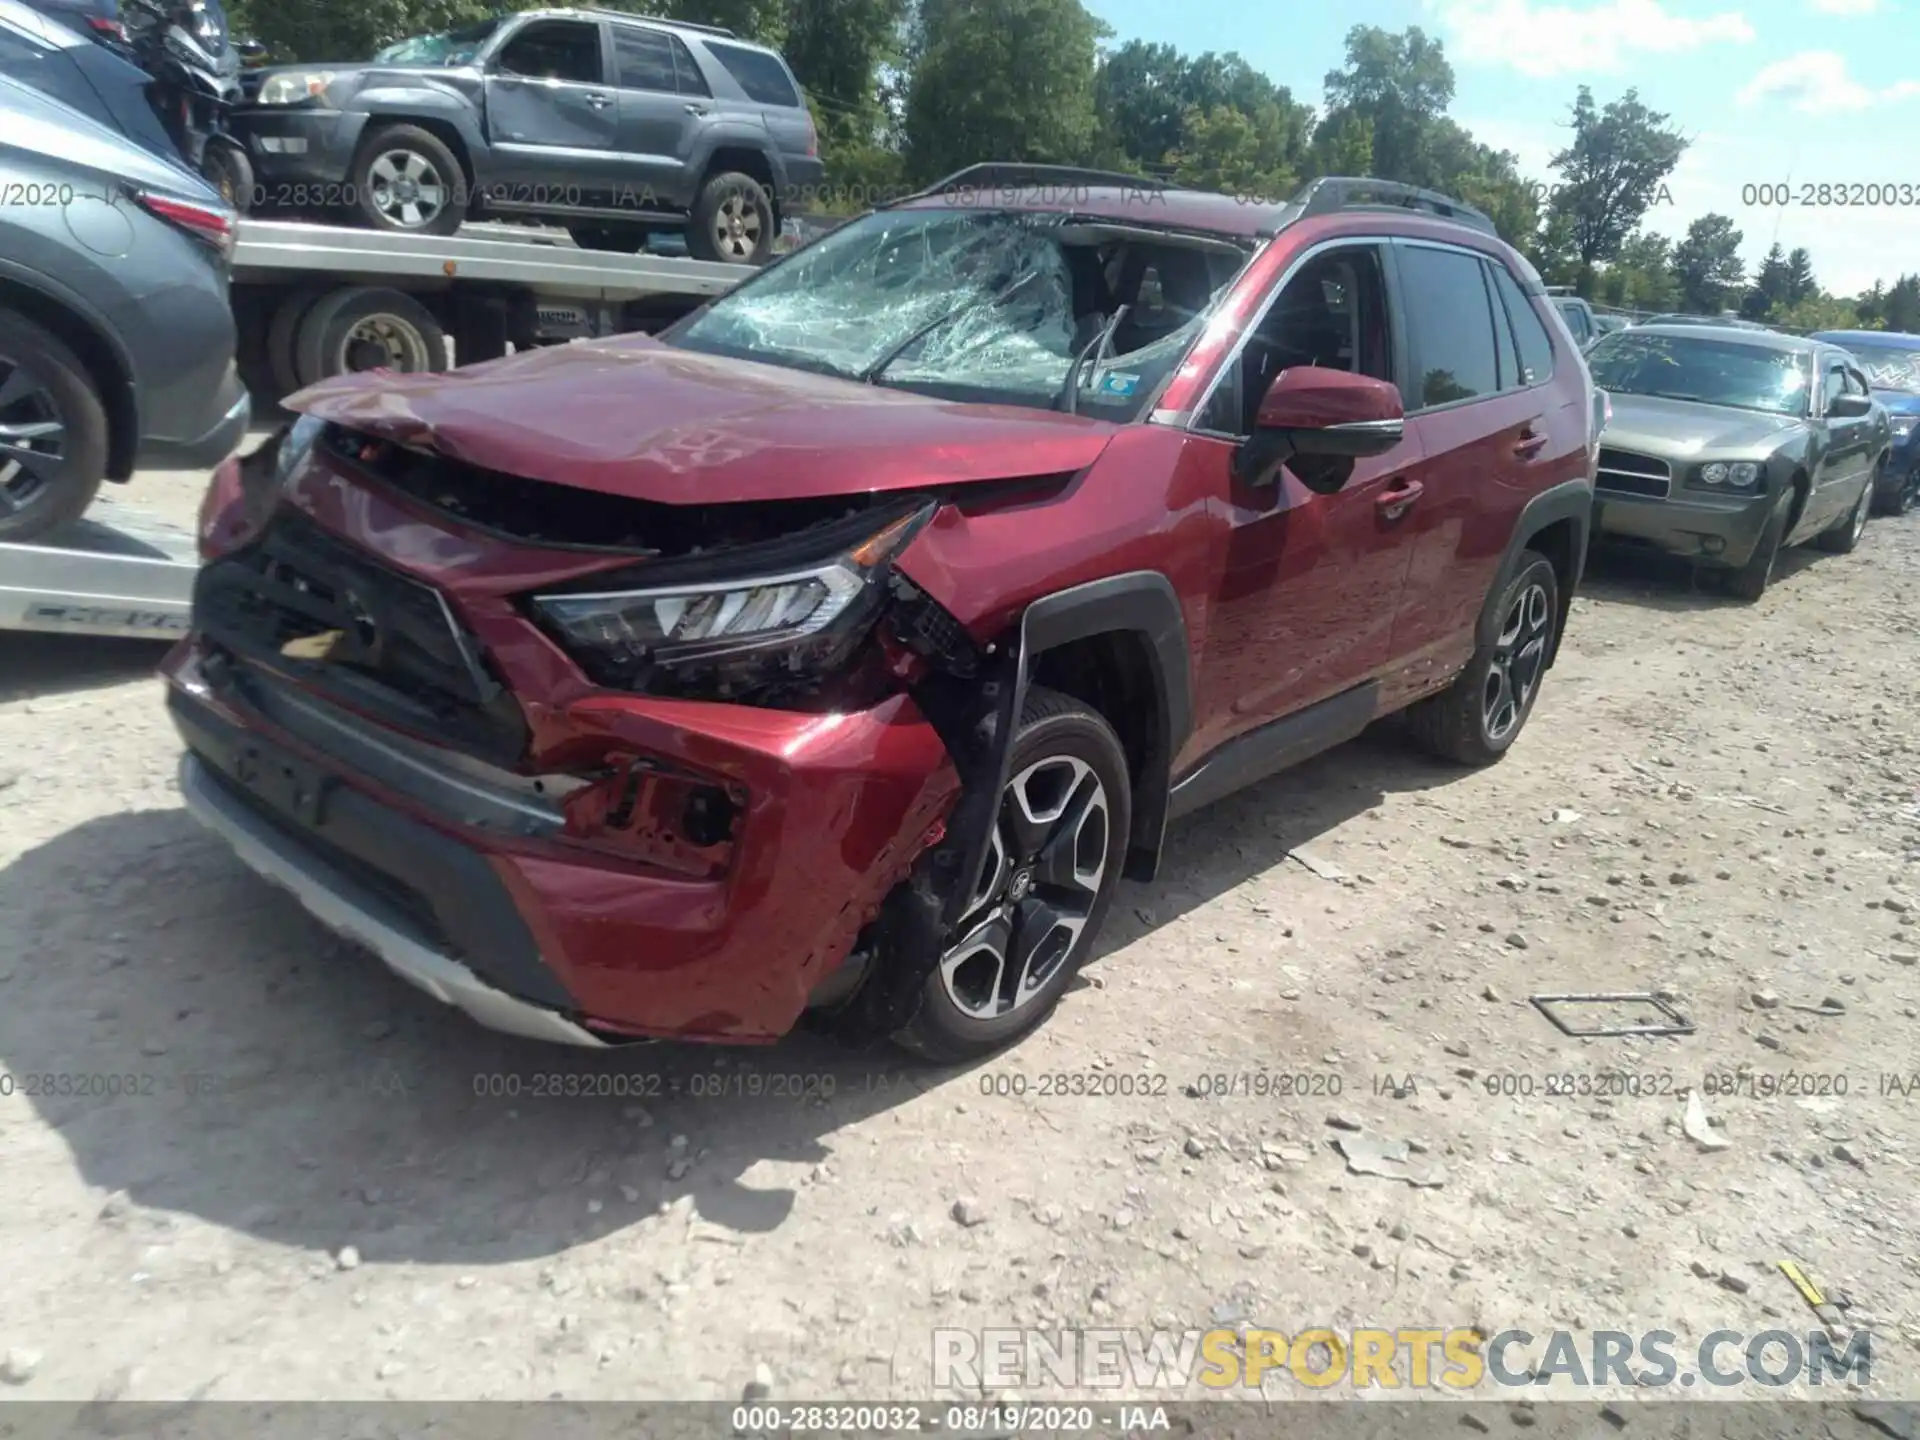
[{"x": 483, "y": 895}]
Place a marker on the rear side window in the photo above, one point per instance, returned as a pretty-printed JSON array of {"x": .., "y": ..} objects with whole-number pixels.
[
  {"x": 761, "y": 75},
  {"x": 1536, "y": 346},
  {"x": 1449, "y": 327}
]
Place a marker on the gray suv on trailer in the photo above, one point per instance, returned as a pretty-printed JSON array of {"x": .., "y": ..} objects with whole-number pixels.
[{"x": 611, "y": 124}]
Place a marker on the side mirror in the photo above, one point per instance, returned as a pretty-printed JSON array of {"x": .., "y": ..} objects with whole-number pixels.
[
  {"x": 1850, "y": 407},
  {"x": 1323, "y": 415},
  {"x": 250, "y": 49}
]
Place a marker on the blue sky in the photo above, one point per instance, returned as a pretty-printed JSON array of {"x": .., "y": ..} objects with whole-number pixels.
[{"x": 1770, "y": 91}]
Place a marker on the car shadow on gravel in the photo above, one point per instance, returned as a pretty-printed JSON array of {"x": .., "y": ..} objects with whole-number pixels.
[
  {"x": 36, "y": 666},
  {"x": 1628, "y": 575},
  {"x": 202, "y": 1045}
]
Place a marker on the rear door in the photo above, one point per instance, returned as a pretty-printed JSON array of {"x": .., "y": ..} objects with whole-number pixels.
[
  {"x": 663, "y": 103},
  {"x": 1479, "y": 394},
  {"x": 552, "y": 117}
]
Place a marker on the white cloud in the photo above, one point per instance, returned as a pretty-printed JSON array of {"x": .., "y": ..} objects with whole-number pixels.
[
  {"x": 1545, "y": 40},
  {"x": 1817, "y": 80},
  {"x": 1846, "y": 7}
]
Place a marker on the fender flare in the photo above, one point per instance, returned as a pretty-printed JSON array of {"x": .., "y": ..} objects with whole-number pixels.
[
  {"x": 1571, "y": 500},
  {"x": 1141, "y": 602}
]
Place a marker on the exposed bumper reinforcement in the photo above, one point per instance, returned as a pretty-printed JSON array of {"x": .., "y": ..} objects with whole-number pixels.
[{"x": 349, "y": 908}]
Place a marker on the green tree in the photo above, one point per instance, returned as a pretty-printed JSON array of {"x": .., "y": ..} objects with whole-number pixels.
[
  {"x": 1228, "y": 150},
  {"x": 837, "y": 49},
  {"x": 1149, "y": 94},
  {"x": 1612, "y": 172},
  {"x": 1800, "y": 281},
  {"x": 1000, "y": 80},
  {"x": 1901, "y": 309},
  {"x": 1142, "y": 92},
  {"x": 1817, "y": 310},
  {"x": 1343, "y": 145},
  {"x": 1770, "y": 286},
  {"x": 1400, "y": 84},
  {"x": 1707, "y": 264},
  {"x": 1641, "y": 277}
]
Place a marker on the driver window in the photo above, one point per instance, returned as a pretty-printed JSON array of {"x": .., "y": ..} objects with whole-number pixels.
[
  {"x": 1332, "y": 314},
  {"x": 566, "y": 50}
]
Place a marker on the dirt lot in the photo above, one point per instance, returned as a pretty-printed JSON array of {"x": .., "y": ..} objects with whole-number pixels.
[{"x": 313, "y": 1194}]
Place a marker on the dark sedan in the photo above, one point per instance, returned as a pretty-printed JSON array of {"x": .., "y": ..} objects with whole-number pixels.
[
  {"x": 1891, "y": 363},
  {"x": 1729, "y": 445}
]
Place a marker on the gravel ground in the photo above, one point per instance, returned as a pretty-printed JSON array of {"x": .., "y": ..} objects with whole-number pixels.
[{"x": 323, "y": 1189}]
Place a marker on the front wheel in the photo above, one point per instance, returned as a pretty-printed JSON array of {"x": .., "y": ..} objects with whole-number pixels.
[
  {"x": 1750, "y": 581},
  {"x": 53, "y": 433},
  {"x": 1475, "y": 720},
  {"x": 1031, "y": 915},
  {"x": 228, "y": 170},
  {"x": 405, "y": 178}
]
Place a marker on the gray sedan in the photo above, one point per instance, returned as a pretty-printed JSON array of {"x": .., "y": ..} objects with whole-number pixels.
[
  {"x": 116, "y": 343},
  {"x": 1729, "y": 445}
]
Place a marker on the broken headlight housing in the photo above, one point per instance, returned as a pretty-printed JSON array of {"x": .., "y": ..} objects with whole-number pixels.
[{"x": 741, "y": 633}]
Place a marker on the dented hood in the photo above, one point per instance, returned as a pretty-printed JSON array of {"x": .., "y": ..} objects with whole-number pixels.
[{"x": 634, "y": 417}]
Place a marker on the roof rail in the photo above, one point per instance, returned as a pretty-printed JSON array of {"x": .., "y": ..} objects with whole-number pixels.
[
  {"x": 1002, "y": 175},
  {"x": 653, "y": 19},
  {"x": 1346, "y": 192}
]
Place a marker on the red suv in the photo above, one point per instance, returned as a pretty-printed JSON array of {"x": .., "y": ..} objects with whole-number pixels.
[{"x": 837, "y": 651}]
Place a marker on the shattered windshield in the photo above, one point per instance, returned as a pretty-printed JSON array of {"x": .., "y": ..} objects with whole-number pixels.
[
  {"x": 446, "y": 47},
  {"x": 1708, "y": 370},
  {"x": 1889, "y": 367},
  {"x": 980, "y": 305}
]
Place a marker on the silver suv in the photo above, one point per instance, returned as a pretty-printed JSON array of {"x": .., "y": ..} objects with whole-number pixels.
[{"x": 611, "y": 124}]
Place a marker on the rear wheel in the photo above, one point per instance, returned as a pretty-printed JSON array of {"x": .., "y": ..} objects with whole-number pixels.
[
  {"x": 1051, "y": 867},
  {"x": 53, "y": 432},
  {"x": 1894, "y": 497},
  {"x": 732, "y": 221},
  {"x": 228, "y": 170},
  {"x": 406, "y": 179},
  {"x": 283, "y": 333},
  {"x": 368, "y": 328},
  {"x": 1475, "y": 720}
]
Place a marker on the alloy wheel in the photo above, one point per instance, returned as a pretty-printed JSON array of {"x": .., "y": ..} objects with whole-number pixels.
[
  {"x": 33, "y": 438},
  {"x": 1519, "y": 657},
  {"x": 736, "y": 227},
  {"x": 1036, "y": 892},
  {"x": 1863, "y": 507},
  {"x": 407, "y": 188}
]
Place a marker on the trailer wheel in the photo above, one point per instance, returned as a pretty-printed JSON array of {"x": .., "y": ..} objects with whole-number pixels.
[
  {"x": 53, "y": 432},
  {"x": 282, "y": 333},
  {"x": 406, "y": 179},
  {"x": 363, "y": 327}
]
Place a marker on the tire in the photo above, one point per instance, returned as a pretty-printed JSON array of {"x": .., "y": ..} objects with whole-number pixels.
[
  {"x": 621, "y": 239},
  {"x": 230, "y": 172},
  {"x": 1750, "y": 581},
  {"x": 1062, "y": 752},
  {"x": 1891, "y": 500},
  {"x": 405, "y": 179},
  {"x": 1841, "y": 537},
  {"x": 1476, "y": 719},
  {"x": 282, "y": 333},
  {"x": 48, "y": 476},
  {"x": 732, "y": 221},
  {"x": 395, "y": 331}
]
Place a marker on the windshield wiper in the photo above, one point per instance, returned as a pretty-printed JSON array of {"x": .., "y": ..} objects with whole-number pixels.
[
  {"x": 979, "y": 302},
  {"x": 1069, "y": 395}
]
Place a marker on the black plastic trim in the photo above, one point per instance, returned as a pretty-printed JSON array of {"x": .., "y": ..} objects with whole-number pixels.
[
  {"x": 471, "y": 907},
  {"x": 1569, "y": 500},
  {"x": 1278, "y": 745}
]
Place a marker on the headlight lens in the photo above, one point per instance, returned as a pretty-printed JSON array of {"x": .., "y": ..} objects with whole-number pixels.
[
  {"x": 726, "y": 637},
  {"x": 1903, "y": 425},
  {"x": 1734, "y": 475},
  {"x": 294, "y": 87},
  {"x": 296, "y": 445}
]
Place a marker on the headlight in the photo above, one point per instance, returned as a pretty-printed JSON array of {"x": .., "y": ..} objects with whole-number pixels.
[
  {"x": 295, "y": 445},
  {"x": 724, "y": 637},
  {"x": 294, "y": 87},
  {"x": 1903, "y": 425},
  {"x": 265, "y": 473},
  {"x": 1735, "y": 475}
]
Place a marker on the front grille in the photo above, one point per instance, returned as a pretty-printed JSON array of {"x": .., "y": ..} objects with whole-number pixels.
[
  {"x": 395, "y": 649},
  {"x": 1626, "y": 473}
]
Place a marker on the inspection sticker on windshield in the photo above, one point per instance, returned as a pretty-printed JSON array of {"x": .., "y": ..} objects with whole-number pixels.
[{"x": 1118, "y": 382}]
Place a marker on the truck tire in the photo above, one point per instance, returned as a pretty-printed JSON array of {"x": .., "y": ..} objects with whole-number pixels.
[
  {"x": 732, "y": 221},
  {"x": 283, "y": 331},
  {"x": 363, "y": 327},
  {"x": 53, "y": 432},
  {"x": 405, "y": 179}
]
